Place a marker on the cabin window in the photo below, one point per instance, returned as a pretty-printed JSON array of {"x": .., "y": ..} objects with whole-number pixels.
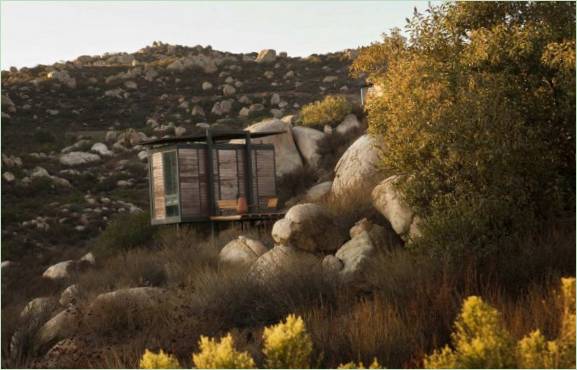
[{"x": 170, "y": 183}]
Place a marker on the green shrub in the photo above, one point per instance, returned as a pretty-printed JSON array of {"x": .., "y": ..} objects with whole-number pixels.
[
  {"x": 331, "y": 110},
  {"x": 466, "y": 106},
  {"x": 125, "y": 232}
]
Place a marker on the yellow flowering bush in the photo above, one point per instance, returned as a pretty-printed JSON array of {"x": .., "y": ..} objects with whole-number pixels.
[
  {"x": 221, "y": 355},
  {"x": 332, "y": 109},
  {"x": 351, "y": 365},
  {"x": 534, "y": 351},
  {"x": 161, "y": 360},
  {"x": 287, "y": 344},
  {"x": 567, "y": 337},
  {"x": 568, "y": 321},
  {"x": 481, "y": 340}
]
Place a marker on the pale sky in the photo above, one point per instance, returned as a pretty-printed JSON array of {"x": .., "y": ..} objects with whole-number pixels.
[{"x": 44, "y": 32}]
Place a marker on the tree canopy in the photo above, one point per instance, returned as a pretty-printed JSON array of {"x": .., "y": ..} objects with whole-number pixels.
[{"x": 476, "y": 104}]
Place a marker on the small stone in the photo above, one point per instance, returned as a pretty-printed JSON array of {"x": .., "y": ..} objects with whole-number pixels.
[
  {"x": 8, "y": 176},
  {"x": 206, "y": 86}
]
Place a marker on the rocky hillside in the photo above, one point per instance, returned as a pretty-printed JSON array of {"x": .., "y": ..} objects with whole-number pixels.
[{"x": 70, "y": 130}]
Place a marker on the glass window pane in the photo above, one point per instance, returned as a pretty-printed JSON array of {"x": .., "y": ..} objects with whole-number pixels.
[
  {"x": 170, "y": 183},
  {"x": 170, "y": 180}
]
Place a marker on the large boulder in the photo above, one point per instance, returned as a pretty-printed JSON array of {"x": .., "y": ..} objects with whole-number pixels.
[
  {"x": 307, "y": 227},
  {"x": 318, "y": 192},
  {"x": 63, "y": 77},
  {"x": 61, "y": 326},
  {"x": 8, "y": 104},
  {"x": 350, "y": 123},
  {"x": 222, "y": 107},
  {"x": 383, "y": 237},
  {"x": 8, "y": 176},
  {"x": 204, "y": 62},
  {"x": 358, "y": 168},
  {"x": 78, "y": 158},
  {"x": 38, "y": 307},
  {"x": 266, "y": 56},
  {"x": 282, "y": 260},
  {"x": 228, "y": 90},
  {"x": 39, "y": 172},
  {"x": 11, "y": 161},
  {"x": 356, "y": 256},
  {"x": 130, "y": 137},
  {"x": 242, "y": 251},
  {"x": 359, "y": 256},
  {"x": 101, "y": 149},
  {"x": 390, "y": 203},
  {"x": 61, "y": 270},
  {"x": 88, "y": 259},
  {"x": 138, "y": 297},
  {"x": 287, "y": 155},
  {"x": 69, "y": 296},
  {"x": 307, "y": 140}
]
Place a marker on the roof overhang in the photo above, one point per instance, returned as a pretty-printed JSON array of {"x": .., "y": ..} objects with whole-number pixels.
[{"x": 214, "y": 135}]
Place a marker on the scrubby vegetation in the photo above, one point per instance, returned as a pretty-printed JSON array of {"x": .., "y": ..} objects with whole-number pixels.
[
  {"x": 484, "y": 135},
  {"x": 477, "y": 106},
  {"x": 329, "y": 111},
  {"x": 125, "y": 232},
  {"x": 287, "y": 345},
  {"x": 161, "y": 360},
  {"x": 482, "y": 341}
]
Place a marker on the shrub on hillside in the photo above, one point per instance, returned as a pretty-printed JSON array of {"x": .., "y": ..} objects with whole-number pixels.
[
  {"x": 331, "y": 110},
  {"x": 351, "y": 365},
  {"x": 221, "y": 355},
  {"x": 125, "y": 232},
  {"x": 482, "y": 341},
  {"x": 477, "y": 105},
  {"x": 161, "y": 360},
  {"x": 287, "y": 345}
]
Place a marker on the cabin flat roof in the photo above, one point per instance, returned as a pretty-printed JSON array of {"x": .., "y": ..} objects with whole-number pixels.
[{"x": 214, "y": 135}]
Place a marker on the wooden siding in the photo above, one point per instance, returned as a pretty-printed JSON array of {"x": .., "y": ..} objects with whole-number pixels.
[
  {"x": 193, "y": 182},
  {"x": 158, "y": 186},
  {"x": 263, "y": 181}
]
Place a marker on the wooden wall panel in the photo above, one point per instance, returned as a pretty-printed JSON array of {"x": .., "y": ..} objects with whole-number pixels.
[
  {"x": 264, "y": 186},
  {"x": 193, "y": 190},
  {"x": 158, "y": 186}
]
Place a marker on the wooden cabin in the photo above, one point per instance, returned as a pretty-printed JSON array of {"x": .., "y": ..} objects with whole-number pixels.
[{"x": 200, "y": 178}]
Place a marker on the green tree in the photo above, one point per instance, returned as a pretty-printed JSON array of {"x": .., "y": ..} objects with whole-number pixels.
[{"x": 477, "y": 105}]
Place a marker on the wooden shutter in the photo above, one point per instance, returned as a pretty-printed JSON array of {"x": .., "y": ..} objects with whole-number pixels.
[{"x": 158, "y": 186}]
